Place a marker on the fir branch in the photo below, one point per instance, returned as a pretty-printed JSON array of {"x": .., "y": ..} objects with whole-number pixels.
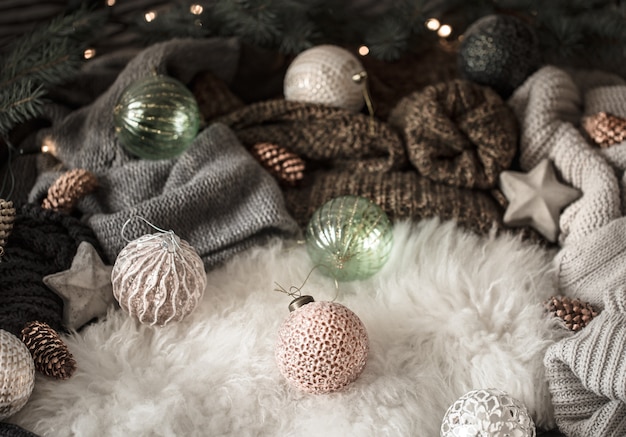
[
  {"x": 176, "y": 21},
  {"x": 45, "y": 57},
  {"x": 252, "y": 20},
  {"x": 20, "y": 104}
]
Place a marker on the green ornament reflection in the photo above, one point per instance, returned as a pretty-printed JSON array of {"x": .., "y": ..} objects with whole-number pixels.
[
  {"x": 156, "y": 118},
  {"x": 349, "y": 238}
]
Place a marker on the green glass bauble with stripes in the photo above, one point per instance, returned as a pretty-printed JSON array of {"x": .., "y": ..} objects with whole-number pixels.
[
  {"x": 156, "y": 118},
  {"x": 349, "y": 238}
]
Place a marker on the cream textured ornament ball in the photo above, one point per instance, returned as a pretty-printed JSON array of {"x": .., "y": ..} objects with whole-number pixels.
[
  {"x": 328, "y": 75},
  {"x": 17, "y": 373},
  {"x": 158, "y": 278},
  {"x": 322, "y": 346},
  {"x": 487, "y": 412}
]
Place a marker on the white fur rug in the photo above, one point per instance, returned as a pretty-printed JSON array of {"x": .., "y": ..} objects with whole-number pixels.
[{"x": 449, "y": 312}]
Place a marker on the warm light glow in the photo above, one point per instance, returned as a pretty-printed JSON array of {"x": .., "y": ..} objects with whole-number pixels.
[
  {"x": 150, "y": 16},
  {"x": 432, "y": 24},
  {"x": 48, "y": 146},
  {"x": 196, "y": 9},
  {"x": 444, "y": 31},
  {"x": 89, "y": 53},
  {"x": 110, "y": 2},
  {"x": 363, "y": 50}
]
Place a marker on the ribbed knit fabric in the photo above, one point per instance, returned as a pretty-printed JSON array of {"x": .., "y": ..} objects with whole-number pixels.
[
  {"x": 550, "y": 106},
  {"x": 329, "y": 137},
  {"x": 215, "y": 195},
  {"x": 458, "y": 133},
  {"x": 41, "y": 243},
  {"x": 587, "y": 374},
  {"x": 348, "y": 153},
  {"x": 402, "y": 195}
]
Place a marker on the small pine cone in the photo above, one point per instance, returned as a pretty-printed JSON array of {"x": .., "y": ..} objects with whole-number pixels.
[
  {"x": 575, "y": 313},
  {"x": 605, "y": 129},
  {"x": 50, "y": 353},
  {"x": 285, "y": 166},
  {"x": 68, "y": 189},
  {"x": 7, "y": 216}
]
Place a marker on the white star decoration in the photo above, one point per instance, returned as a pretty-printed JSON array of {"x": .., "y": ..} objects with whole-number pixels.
[
  {"x": 85, "y": 288},
  {"x": 536, "y": 198}
]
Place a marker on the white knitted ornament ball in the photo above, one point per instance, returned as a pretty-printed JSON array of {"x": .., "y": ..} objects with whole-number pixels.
[
  {"x": 321, "y": 347},
  {"x": 327, "y": 75},
  {"x": 158, "y": 278},
  {"x": 487, "y": 412},
  {"x": 17, "y": 374}
]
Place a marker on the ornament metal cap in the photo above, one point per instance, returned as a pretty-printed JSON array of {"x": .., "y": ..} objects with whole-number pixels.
[{"x": 300, "y": 302}]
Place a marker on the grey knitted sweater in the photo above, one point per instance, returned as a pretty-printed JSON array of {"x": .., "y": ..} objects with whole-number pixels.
[{"x": 215, "y": 195}]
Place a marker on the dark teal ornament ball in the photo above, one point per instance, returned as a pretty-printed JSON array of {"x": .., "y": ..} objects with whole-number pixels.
[
  {"x": 349, "y": 238},
  {"x": 499, "y": 51},
  {"x": 156, "y": 118}
]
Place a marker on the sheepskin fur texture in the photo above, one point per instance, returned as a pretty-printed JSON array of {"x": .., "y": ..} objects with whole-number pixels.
[{"x": 448, "y": 313}]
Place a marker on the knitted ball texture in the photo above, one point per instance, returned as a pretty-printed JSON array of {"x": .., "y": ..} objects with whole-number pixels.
[
  {"x": 17, "y": 374},
  {"x": 321, "y": 347},
  {"x": 324, "y": 75},
  {"x": 499, "y": 51}
]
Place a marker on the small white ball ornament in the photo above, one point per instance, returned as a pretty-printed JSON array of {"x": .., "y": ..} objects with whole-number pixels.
[
  {"x": 328, "y": 75},
  {"x": 158, "y": 278},
  {"x": 487, "y": 413},
  {"x": 17, "y": 374}
]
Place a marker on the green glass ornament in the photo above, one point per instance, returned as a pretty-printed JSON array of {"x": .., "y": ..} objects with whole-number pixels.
[
  {"x": 349, "y": 238},
  {"x": 156, "y": 118}
]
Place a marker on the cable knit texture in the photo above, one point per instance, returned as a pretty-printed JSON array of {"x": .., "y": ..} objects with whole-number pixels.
[
  {"x": 215, "y": 195},
  {"x": 348, "y": 153},
  {"x": 550, "y": 106},
  {"x": 458, "y": 133},
  {"x": 587, "y": 374}
]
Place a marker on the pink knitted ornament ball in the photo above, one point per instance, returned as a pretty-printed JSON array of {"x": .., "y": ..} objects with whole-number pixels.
[{"x": 322, "y": 346}]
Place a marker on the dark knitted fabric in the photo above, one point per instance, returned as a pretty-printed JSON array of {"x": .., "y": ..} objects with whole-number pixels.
[
  {"x": 390, "y": 81},
  {"x": 458, "y": 133},
  {"x": 348, "y": 153},
  {"x": 332, "y": 137},
  {"x": 401, "y": 194},
  {"x": 12, "y": 430},
  {"x": 42, "y": 242}
]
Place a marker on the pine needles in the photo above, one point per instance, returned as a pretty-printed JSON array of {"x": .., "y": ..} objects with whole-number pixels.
[{"x": 46, "y": 57}]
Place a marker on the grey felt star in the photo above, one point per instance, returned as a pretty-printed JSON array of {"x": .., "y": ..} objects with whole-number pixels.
[
  {"x": 85, "y": 288},
  {"x": 536, "y": 198}
]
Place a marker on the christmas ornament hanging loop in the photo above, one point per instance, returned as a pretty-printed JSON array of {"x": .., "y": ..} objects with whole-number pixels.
[{"x": 172, "y": 244}]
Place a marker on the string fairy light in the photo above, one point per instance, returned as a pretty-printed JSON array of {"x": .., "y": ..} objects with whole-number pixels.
[
  {"x": 110, "y": 2},
  {"x": 444, "y": 31},
  {"x": 433, "y": 24},
  {"x": 150, "y": 16},
  {"x": 196, "y": 9},
  {"x": 364, "y": 50},
  {"x": 89, "y": 53}
]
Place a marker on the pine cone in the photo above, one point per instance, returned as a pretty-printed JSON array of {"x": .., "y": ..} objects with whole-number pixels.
[
  {"x": 575, "y": 314},
  {"x": 68, "y": 189},
  {"x": 50, "y": 353},
  {"x": 285, "y": 166},
  {"x": 605, "y": 129},
  {"x": 7, "y": 216}
]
